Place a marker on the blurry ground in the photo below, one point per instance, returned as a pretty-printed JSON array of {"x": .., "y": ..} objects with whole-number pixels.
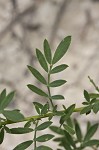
[{"x": 23, "y": 27}]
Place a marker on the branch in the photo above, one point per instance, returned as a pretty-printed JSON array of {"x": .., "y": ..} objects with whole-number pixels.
[{"x": 37, "y": 117}]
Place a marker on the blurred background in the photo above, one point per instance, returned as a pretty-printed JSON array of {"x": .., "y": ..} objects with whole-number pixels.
[{"x": 24, "y": 24}]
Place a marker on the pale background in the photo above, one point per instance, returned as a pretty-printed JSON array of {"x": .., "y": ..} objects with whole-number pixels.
[{"x": 24, "y": 24}]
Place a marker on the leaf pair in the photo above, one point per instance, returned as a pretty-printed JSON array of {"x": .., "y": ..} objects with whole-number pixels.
[
  {"x": 42, "y": 93},
  {"x": 67, "y": 113},
  {"x": 40, "y": 108},
  {"x": 13, "y": 115},
  {"x": 59, "y": 53},
  {"x": 5, "y": 100}
]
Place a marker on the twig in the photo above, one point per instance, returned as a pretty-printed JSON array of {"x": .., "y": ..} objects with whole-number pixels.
[
  {"x": 38, "y": 117},
  {"x": 96, "y": 87}
]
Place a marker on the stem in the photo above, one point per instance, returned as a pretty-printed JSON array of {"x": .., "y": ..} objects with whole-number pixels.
[
  {"x": 38, "y": 117},
  {"x": 36, "y": 124},
  {"x": 49, "y": 87},
  {"x": 96, "y": 87}
]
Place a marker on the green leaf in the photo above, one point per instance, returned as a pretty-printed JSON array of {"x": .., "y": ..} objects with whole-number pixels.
[
  {"x": 43, "y": 148},
  {"x": 67, "y": 114},
  {"x": 20, "y": 130},
  {"x": 91, "y": 132},
  {"x": 88, "y": 126},
  {"x": 47, "y": 51},
  {"x": 61, "y": 49},
  {"x": 86, "y": 109},
  {"x": 37, "y": 108},
  {"x": 2, "y": 96},
  {"x": 37, "y": 90},
  {"x": 7, "y": 129},
  {"x": 58, "y": 68},
  {"x": 57, "y": 83},
  {"x": 23, "y": 145},
  {"x": 94, "y": 95},
  {"x": 28, "y": 124},
  {"x": 86, "y": 95},
  {"x": 45, "y": 109},
  {"x": 70, "y": 109},
  {"x": 50, "y": 117},
  {"x": 44, "y": 138},
  {"x": 69, "y": 139},
  {"x": 38, "y": 104},
  {"x": 69, "y": 129},
  {"x": 57, "y": 97},
  {"x": 44, "y": 125},
  {"x": 85, "y": 103},
  {"x": 93, "y": 100},
  {"x": 59, "y": 113},
  {"x": 13, "y": 115},
  {"x": 91, "y": 143},
  {"x": 59, "y": 139},
  {"x": 78, "y": 131},
  {"x": 63, "y": 119},
  {"x": 42, "y": 60},
  {"x": 69, "y": 122},
  {"x": 65, "y": 144},
  {"x": 96, "y": 107},
  {"x": 37, "y": 75},
  {"x": 1, "y": 135},
  {"x": 57, "y": 130},
  {"x": 6, "y": 100}
]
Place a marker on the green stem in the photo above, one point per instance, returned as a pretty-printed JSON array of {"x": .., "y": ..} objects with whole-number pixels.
[
  {"x": 38, "y": 117},
  {"x": 48, "y": 88},
  {"x": 96, "y": 87},
  {"x": 36, "y": 124}
]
